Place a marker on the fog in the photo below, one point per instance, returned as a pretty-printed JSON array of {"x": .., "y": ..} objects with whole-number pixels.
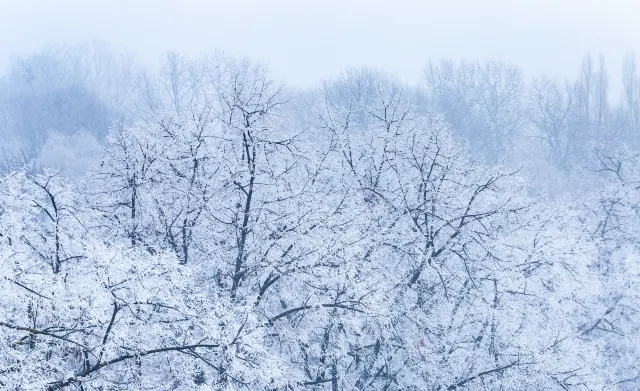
[
  {"x": 319, "y": 196},
  {"x": 306, "y": 41}
]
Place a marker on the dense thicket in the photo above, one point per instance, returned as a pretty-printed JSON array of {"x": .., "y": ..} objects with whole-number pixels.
[{"x": 225, "y": 233}]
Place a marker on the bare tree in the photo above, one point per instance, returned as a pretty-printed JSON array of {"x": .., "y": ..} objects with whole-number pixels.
[
  {"x": 501, "y": 98},
  {"x": 482, "y": 101},
  {"x": 631, "y": 83},
  {"x": 551, "y": 109}
]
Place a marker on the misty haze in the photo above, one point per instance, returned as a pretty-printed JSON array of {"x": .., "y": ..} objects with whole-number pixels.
[{"x": 327, "y": 196}]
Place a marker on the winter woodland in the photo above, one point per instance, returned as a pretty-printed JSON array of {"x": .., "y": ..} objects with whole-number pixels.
[{"x": 203, "y": 226}]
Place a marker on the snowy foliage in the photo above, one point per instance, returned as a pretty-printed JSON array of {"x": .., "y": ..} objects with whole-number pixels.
[{"x": 219, "y": 245}]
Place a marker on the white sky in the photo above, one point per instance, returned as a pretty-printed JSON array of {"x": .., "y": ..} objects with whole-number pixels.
[{"x": 305, "y": 40}]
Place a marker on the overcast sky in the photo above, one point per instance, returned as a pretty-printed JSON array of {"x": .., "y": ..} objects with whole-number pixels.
[{"x": 305, "y": 40}]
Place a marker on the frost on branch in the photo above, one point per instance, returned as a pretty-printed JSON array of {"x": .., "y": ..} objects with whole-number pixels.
[{"x": 219, "y": 247}]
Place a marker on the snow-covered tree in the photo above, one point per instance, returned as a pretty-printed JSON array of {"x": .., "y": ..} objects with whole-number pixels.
[{"x": 224, "y": 243}]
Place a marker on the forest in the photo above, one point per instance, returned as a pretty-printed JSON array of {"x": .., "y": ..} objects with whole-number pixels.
[{"x": 200, "y": 225}]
